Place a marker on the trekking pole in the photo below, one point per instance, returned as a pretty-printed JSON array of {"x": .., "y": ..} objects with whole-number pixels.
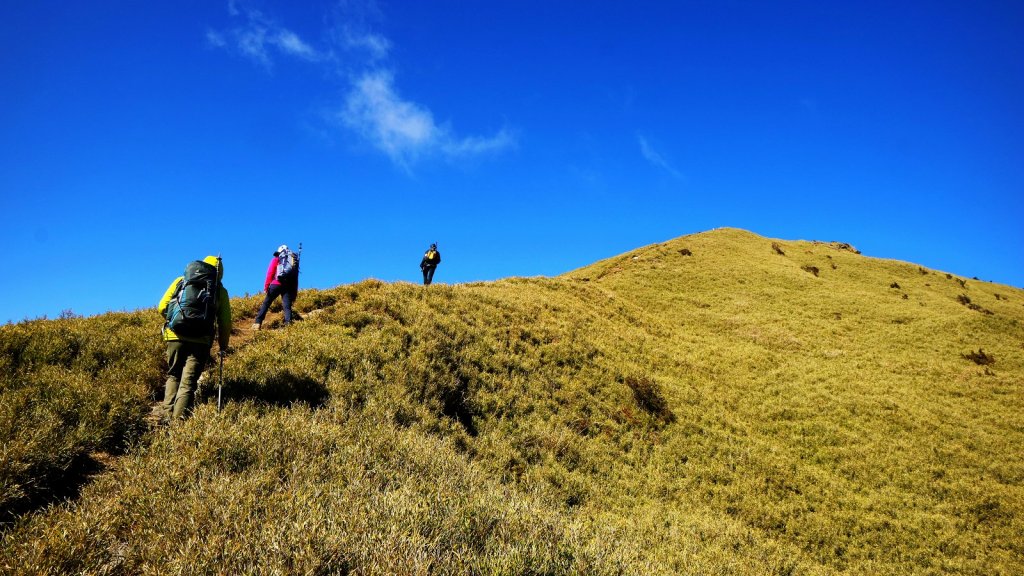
[
  {"x": 220, "y": 351},
  {"x": 220, "y": 379}
]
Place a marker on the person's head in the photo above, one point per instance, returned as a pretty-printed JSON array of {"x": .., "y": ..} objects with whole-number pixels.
[
  {"x": 280, "y": 249},
  {"x": 433, "y": 246},
  {"x": 216, "y": 261}
]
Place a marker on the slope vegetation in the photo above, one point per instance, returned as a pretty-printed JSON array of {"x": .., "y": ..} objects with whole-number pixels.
[{"x": 721, "y": 403}]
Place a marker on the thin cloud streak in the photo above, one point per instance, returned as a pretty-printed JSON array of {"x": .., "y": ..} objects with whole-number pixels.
[
  {"x": 474, "y": 145},
  {"x": 256, "y": 37},
  {"x": 290, "y": 43},
  {"x": 375, "y": 46},
  {"x": 216, "y": 39},
  {"x": 652, "y": 156}
]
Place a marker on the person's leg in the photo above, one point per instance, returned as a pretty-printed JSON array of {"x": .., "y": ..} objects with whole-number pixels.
[
  {"x": 175, "y": 365},
  {"x": 286, "y": 304},
  {"x": 272, "y": 293},
  {"x": 430, "y": 273},
  {"x": 425, "y": 281},
  {"x": 197, "y": 355}
]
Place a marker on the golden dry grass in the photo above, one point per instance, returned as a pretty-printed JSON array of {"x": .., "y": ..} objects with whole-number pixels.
[{"x": 718, "y": 404}]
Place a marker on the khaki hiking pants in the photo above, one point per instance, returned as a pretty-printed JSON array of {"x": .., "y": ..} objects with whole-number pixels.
[{"x": 185, "y": 362}]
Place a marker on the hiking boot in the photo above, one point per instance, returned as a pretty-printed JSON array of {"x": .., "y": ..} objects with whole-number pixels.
[{"x": 256, "y": 326}]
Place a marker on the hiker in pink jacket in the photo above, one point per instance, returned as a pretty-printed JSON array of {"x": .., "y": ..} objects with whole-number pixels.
[{"x": 282, "y": 280}]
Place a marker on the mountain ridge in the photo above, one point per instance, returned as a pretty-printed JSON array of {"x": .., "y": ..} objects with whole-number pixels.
[{"x": 717, "y": 403}]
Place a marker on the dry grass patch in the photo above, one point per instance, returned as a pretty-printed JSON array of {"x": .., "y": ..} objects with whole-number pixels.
[{"x": 720, "y": 415}]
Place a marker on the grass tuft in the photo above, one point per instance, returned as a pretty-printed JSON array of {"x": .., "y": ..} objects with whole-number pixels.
[
  {"x": 966, "y": 301},
  {"x": 650, "y": 396},
  {"x": 980, "y": 357}
]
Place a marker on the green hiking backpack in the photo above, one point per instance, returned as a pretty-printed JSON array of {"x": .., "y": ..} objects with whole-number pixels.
[{"x": 193, "y": 309}]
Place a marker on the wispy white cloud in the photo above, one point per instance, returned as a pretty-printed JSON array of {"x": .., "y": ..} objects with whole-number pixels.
[
  {"x": 290, "y": 43},
  {"x": 476, "y": 145},
  {"x": 405, "y": 130},
  {"x": 259, "y": 38},
  {"x": 252, "y": 42},
  {"x": 652, "y": 156},
  {"x": 397, "y": 127},
  {"x": 401, "y": 128},
  {"x": 375, "y": 46},
  {"x": 216, "y": 39},
  {"x": 352, "y": 28}
]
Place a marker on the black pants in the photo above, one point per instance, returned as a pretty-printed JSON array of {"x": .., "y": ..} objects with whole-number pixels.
[
  {"x": 275, "y": 290},
  {"x": 428, "y": 274}
]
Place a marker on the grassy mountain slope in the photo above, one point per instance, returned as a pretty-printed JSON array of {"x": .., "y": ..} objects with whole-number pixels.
[{"x": 721, "y": 403}]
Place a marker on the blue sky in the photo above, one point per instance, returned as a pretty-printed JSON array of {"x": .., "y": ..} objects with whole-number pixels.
[{"x": 526, "y": 138}]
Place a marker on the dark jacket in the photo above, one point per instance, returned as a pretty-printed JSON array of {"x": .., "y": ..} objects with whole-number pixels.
[{"x": 431, "y": 258}]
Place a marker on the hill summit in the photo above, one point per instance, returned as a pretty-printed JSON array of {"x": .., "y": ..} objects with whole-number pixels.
[{"x": 721, "y": 403}]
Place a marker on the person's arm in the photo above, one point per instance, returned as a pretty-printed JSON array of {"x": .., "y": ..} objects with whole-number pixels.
[
  {"x": 271, "y": 275},
  {"x": 438, "y": 254},
  {"x": 169, "y": 294}
]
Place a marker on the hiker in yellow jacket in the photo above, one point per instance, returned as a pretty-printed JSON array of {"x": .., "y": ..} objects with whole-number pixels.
[{"x": 191, "y": 309}]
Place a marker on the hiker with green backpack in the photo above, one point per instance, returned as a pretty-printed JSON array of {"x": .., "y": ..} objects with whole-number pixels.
[
  {"x": 282, "y": 280},
  {"x": 195, "y": 306}
]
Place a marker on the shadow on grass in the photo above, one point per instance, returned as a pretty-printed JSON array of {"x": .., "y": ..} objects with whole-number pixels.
[
  {"x": 281, "y": 389},
  {"x": 456, "y": 404},
  {"x": 62, "y": 486},
  {"x": 59, "y": 484}
]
